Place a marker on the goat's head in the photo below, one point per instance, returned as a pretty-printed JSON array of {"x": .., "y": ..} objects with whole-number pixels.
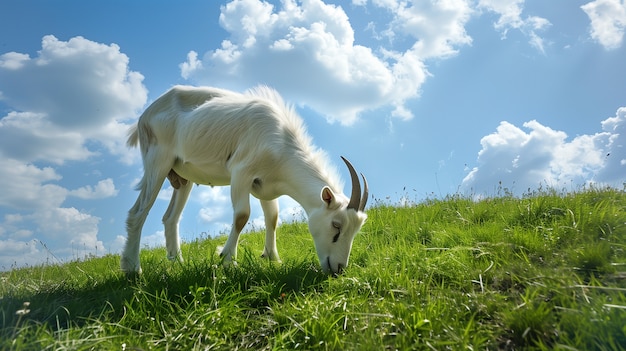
[{"x": 336, "y": 222}]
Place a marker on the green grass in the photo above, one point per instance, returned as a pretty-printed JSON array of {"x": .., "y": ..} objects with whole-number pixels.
[{"x": 545, "y": 271}]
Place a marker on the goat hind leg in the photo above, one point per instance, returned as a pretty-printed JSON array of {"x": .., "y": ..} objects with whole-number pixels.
[
  {"x": 149, "y": 187},
  {"x": 171, "y": 219}
]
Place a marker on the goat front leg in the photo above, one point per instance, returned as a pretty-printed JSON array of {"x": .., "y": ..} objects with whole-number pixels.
[
  {"x": 240, "y": 197},
  {"x": 270, "y": 212}
]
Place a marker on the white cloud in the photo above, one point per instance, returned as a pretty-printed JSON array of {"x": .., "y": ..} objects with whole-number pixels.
[
  {"x": 208, "y": 195},
  {"x": 28, "y": 186},
  {"x": 71, "y": 102},
  {"x": 608, "y": 21},
  {"x": 211, "y": 215},
  {"x": 437, "y": 26},
  {"x": 117, "y": 245},
  {"x": 166, "y": 192},
  {"x": 39, "y": 139},
  {"x": 61, "y": 234},
  {"x": 192, "y": 64},
  {"x": 510, "y": 12},
  {"x": 614, "y": 169},
  {"x": 73, "y": 91},
  {"x": 13, "y": 60},
  {"x": 153, "y": 240},
  {"x": 104, "y": 188},
  {"x": 521, "y": 160},
  {"x": 17, "y": 253},
  {"x": 290, "y": 210},
  {"x": 77, "y": 227},
  {"x": 307, "y": 50},
  {"x": 216, "y": 208}
]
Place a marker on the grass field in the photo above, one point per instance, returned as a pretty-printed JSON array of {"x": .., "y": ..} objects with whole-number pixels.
[{"x": 544, "y": 271}]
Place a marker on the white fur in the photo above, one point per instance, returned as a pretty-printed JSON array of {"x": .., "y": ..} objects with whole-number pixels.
[{"x": 255, "y": 143}]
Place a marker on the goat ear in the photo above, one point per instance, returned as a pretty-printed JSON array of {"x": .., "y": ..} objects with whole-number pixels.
[{"x": 329, "y": 197}]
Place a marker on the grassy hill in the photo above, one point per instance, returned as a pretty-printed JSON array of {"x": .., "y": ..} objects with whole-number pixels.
[{"x": 544, "y": 271}]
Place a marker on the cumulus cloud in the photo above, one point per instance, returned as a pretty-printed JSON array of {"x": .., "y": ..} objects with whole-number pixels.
[
  {"x": 29, "y": 186},
  {"x": 510, "y": 12},
  {"x": 36, "y": 221},
  {"x": 216, "y": 209},
  {"x": 39, "y": 139},
  {"x": 437, "y": 27},
  {"x": 289, "y": 211},
  {"x": 307, "y": 50},
  {"x": 527, "y": 159},
  {"x": 71, "y": 92},
  {"x": 153, "y": 240},
  {"x": 104, "y": 188},
  {"x": 60, "y": 234},
  {"x": 614, "y": 167},
  {"x": 70, "y": 102},
  {"x": 608, "y": 21},
  {"x": 117, "y": 245},
  {"x": 21, "y": 253}
]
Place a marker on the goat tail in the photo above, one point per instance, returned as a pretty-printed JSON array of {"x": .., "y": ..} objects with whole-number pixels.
[
  {"x": 141, "y": 134},
  {"x": 133, "y": 136}
]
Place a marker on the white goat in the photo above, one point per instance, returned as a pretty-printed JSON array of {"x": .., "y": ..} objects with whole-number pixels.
[{"x": 258, "y": 145}]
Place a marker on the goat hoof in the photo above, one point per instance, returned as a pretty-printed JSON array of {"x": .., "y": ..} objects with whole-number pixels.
[
  {"x": 176, "y": 258},
  {"x": 132, "y": 276}
]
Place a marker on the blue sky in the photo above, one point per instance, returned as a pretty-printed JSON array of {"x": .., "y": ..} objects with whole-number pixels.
[{"x": 426, "y": 98}]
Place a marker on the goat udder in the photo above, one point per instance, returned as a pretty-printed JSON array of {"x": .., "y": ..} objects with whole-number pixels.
[{"x": 176, "y": 180}]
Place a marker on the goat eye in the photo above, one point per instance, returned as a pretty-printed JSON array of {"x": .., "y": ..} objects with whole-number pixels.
[
  {"x": 337, "y": 226},
  {"x": 336, "y": 237}
]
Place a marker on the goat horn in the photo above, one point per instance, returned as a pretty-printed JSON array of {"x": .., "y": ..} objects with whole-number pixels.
[
  {"x": 356, "y": 201},
  {"x": 363, "y": 201}
]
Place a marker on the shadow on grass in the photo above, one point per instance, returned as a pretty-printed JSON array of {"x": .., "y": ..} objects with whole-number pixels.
[{"x": 254, "y": 282}]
